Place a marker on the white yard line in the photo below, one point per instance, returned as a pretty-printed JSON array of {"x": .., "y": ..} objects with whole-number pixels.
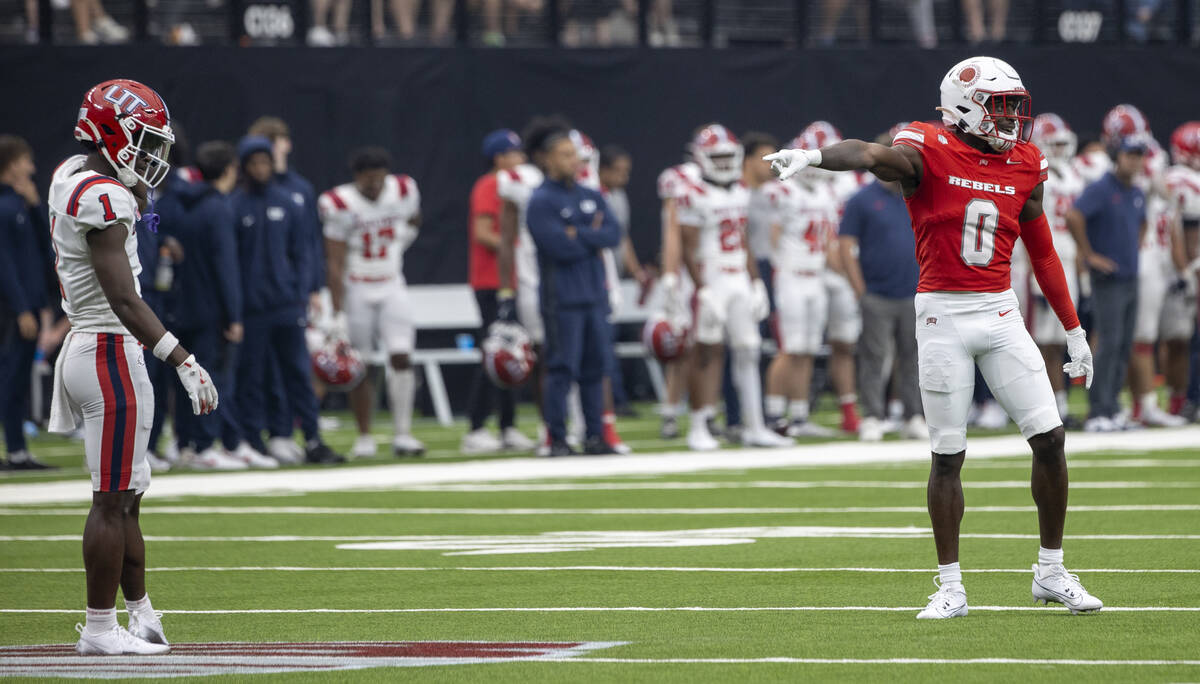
[
  {"x": 615, "y": 609},
  {"x": 879, "y": 661},
  {"x": 326, "y": 511},
  {"x": 383, "y": 477},
  {"x": 604, "y": 568}
]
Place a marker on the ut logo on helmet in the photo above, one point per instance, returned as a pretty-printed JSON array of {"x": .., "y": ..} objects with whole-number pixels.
[{"x": 124, "y": 99}]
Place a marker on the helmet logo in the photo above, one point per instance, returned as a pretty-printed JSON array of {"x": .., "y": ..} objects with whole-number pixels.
[
  {"x": 968, "y": 76},
  {"x": 125, "y": 100}
]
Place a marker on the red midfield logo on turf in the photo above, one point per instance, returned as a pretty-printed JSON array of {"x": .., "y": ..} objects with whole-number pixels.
[{"x": 240, "y": 658}]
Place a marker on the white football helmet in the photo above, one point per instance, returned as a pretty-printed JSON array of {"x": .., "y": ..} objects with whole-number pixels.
[
  {"x": 718, "y": 153},
  {"x": 984, "y": 96},
  {"x": 816, "y": 135},
  {"x": 1054, "y": 138},
  {"x": 589, "y": 160}
]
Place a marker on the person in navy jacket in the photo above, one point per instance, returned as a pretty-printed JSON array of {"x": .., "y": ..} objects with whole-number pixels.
[
  {"x": 25, "y": 260},
  {"x": 274, "y": 252},
  {"x": 208, "y": 301},
  {"x": 570, "y": 224}
]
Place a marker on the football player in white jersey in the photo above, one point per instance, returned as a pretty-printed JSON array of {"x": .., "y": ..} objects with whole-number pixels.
[
  {"x": 515, "y": 186},
  {"x": 730, "y": 297},
  {"x": 368, "y": 223},
  {"x": 675, "y": 289},
  {"x": 845, "y": 318},
  {"x": 1183, "y": 194},
  {"x": 100, "y": 377},
  {"x": 803, "y": 234},
  {"x": 1063, "y": 184}
]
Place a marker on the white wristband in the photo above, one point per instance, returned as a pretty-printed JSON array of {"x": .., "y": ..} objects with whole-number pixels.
[
  {"x": 814, "y": 157},
  {"x": 166, "y": 345}
]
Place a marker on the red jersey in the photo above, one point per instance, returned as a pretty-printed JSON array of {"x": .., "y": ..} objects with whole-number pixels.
[
  {"x": 482, "y": 265},
  {"x": 965, "y": 213}
]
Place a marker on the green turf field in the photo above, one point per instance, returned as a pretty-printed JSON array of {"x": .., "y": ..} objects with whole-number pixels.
[{"x": 763, "y": 574}]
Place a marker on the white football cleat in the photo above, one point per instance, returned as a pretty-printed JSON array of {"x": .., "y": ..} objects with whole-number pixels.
[
  {"x": 480, "y": 442},
  {"x": 285, "y": 450},
  {"x": 915, "y": 428},
  {"x": 252, "y": 458},
  {"x": 215, "y": 458},
  {"x": 513, "y": 439},
  {"x": 1156, "y": 417},
  {"x": 765, "y": 438},
  {"x": 1100, "y": 424},
  {"x": 949, "y": 601},
  {"x": 407, "y": 445},
  {"x": 870, "y": 429},
  {"x": 992, "y": 416},
  {"x": 157, "y": 464},
  {"x": 148, "y": 629},
  {"x": 364, "y": 447},
  {"x": 115, "y": 641},
  {"x": 1060, "y": 586},
  {"x": 807, "y": 428},
  {"x": 700, "y": 439}
]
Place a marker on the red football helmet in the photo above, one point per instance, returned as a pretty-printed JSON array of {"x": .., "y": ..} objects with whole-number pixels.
[
  {"x": 338, "y": 365},
  {"x": 1185, "y": 144},
  {"x": 1054, "y": 137},
  {"x": 819, "y": 134},
  {"x": 508, "y": 354},
  {"x": 663, "y": 339},
  {"x": 1123, "y": 121},
  {"x": 130, "y": 125},
  {"x": 718, "y": 153},
  {"x": 589, "y": 160}
]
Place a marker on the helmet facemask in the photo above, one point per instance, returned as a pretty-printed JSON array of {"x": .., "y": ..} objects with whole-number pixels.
[
  {"x": 1005, "y": 118},
  {"x": 144, "y": 158}
]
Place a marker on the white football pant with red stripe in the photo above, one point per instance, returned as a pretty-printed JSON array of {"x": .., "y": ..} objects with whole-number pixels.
[{"x": 104, "y": 375}]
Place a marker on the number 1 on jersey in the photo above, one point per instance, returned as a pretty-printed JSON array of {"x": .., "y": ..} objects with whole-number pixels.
[
  {"x": 979, "y": 232},
  {"x": 109, "y": 214}
]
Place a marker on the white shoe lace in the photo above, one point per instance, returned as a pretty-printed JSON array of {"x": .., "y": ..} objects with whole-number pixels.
[
  {"x": 1070, "y": 584},
  {"x": 942, "y": 592}
]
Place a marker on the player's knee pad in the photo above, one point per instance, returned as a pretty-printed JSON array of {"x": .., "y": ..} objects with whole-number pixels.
[{"x": 947, "y": 440}]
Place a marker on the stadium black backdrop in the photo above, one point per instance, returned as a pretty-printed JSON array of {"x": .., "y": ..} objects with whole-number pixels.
[{"x": 431, "y": 107}]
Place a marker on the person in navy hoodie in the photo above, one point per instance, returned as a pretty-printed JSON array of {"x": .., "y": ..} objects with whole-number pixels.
[
  {"x": 274, "y": 253},
  {"x": 280, "y": 413},
  {"x": 25, "y": 261}
]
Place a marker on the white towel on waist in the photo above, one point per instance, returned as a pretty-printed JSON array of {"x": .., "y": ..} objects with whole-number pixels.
[{"x": 63, "y": 418}]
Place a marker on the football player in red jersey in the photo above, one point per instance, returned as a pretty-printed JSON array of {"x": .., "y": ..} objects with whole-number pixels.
[{"x": 973, "y": 186}]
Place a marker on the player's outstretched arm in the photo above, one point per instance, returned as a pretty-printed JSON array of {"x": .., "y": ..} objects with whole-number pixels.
[
  {"x": 887, "y": 163},
  {"x": 116, "y": 279}
]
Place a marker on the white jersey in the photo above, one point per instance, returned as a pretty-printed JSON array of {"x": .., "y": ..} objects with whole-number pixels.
[
  {"x": 675, "y": 180},
  {"x": 516, "y": 185},
  {"x": 1062, "y": 187},
  {"x": 846, "y": 185},
  {"x": 807, "y": 215},
  {"x": 1183, "y": 192},
  {"x": 82, "y": 201},
  {"x": 720, "y": 213},
  {"x": 376, "y": 232}
]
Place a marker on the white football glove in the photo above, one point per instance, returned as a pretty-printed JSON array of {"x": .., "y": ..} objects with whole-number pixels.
[
  {"x": 672, "y": 304},
  {"x": 760, "y": 303},
  {"x": 199, "y": 386},
  {"x": 339, "y": 328},
  {"x": 788, "y": 163},
  {"x": 1081, "y": 356}
]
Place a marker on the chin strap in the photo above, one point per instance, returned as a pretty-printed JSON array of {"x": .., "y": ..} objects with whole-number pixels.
[{"x": 150, "y": 218}]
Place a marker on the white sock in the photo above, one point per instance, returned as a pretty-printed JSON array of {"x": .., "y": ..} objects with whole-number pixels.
[
  {"x": 575, "y": 413},
  {"x": 699, "y": 420},
  {"x": 1060, "y": 398},
  {"x": 800, "y": 410},
  {"x": 141, "y": 606},
  {"x": 667, "y": 410},
  {"x": 100, "y": 620},
  {"x": 749, "y": 388},
  {"x": 950, "y": 573},
  {"x": 849, "y": 398},
  {"x": 400, "y": 386},
  {"x": 1048, "y": 558},
  {"x": 776, "y": 405}
]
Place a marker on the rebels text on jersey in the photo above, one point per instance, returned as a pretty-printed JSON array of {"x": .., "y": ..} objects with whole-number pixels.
[
  {"x": 966, "y": 209},
  {"x": 516, "y": 185},
  {"x": 720, "y": 214},
  {"x": 376, "y": 232},
  {"x": 807, "y": 216},
  {"x": 81, "y": 201}
]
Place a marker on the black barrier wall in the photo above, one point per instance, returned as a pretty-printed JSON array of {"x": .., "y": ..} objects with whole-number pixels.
[{"x": 432, "y": 107}]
